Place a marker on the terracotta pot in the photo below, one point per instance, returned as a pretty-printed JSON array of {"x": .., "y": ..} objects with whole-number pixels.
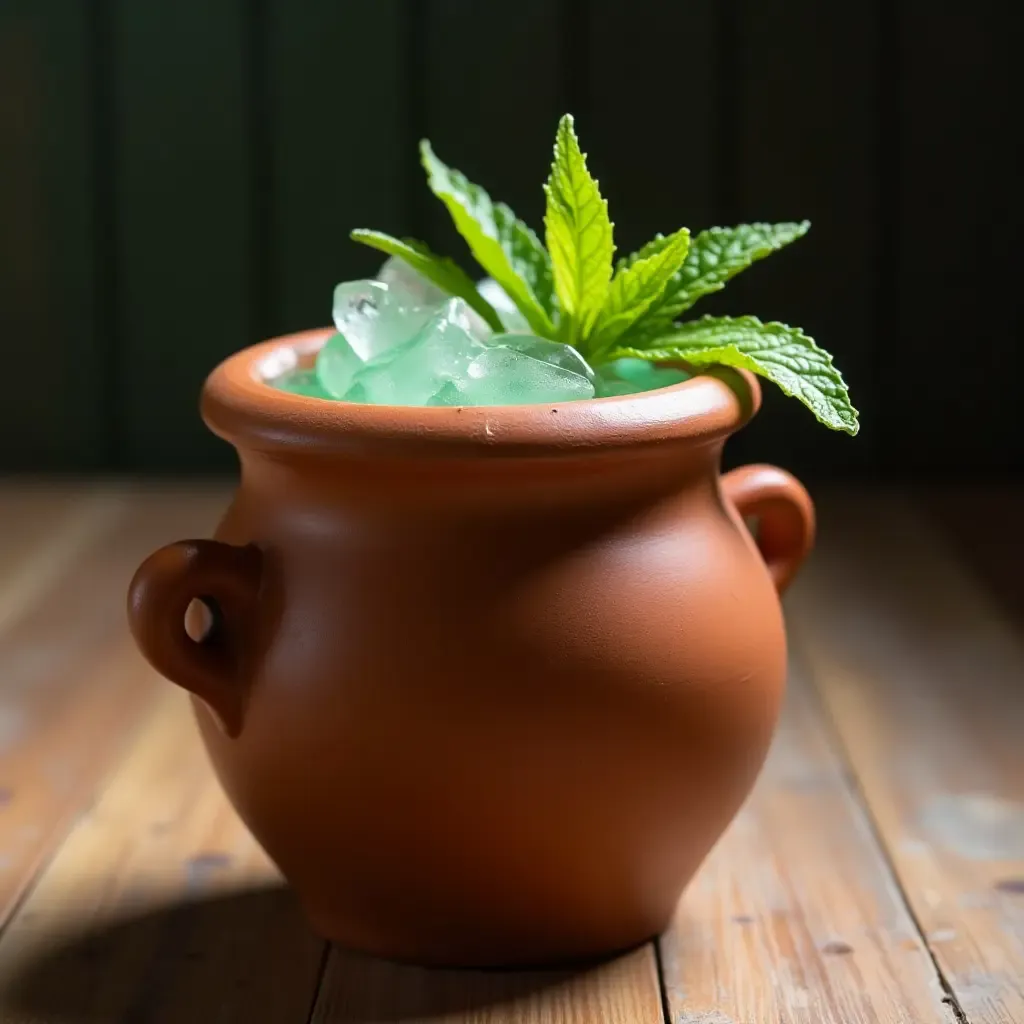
[{"x": 487, "y": 684}]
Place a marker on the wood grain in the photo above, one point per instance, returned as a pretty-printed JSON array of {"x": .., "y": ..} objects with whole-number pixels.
[
  {"x": 160, "y": 906},
  {"x": 923, "y": 676},
  {"x": 796, "y": 917},
  {"x": 72, "y": 684},
  {"x": 43, "y": 526},
  {"x": 983, "y": 524},
  {"x": 133, "y": 893}
]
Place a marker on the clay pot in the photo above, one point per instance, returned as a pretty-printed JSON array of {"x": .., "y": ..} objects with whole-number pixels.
[{"x": 486, "y": 683}]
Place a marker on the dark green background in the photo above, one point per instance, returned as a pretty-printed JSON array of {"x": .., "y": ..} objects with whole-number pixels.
[{"x": 178, "y": 178}]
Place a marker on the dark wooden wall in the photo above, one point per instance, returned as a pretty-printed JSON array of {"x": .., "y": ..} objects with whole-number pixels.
[{"x": 178, "y": 177}]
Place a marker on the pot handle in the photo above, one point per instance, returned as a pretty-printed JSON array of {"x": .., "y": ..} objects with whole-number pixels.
[
  {"x": 226, "y": 579},
  {"x": 785, "y": 513}
]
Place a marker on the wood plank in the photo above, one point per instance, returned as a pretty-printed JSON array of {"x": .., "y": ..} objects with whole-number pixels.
[
  {"x": 185, "y": 219},
  {"x": 490, "y": 100},
  {"x": 160, "y": 906},
  {"x": 43, "y": 525},
  {"x": 808, "y": 146},
  {"x": 923, "y": 677},
  {"x": 796, "y": 917},
  {"x": 983, "y": 524},
  {"x": 73, "y": 686},
  {"x": 49, "y": 267},
  {"x": 623, "y": 991},
  {"x": 341, "y": 146}
]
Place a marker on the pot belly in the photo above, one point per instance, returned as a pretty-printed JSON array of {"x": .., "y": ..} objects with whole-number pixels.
[{"x": 525, "y": 764}]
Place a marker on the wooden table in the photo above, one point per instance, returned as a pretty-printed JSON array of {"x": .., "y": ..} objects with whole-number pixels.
[{"x": 877, "y": 873}]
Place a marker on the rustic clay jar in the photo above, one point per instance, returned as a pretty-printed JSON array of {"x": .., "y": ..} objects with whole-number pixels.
[{"x": 486, "y": 683}]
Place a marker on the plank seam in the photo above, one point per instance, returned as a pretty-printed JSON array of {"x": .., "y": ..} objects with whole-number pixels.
[
  {"x": 318, "y": 984},
  {"x": 832, "y": 733},
  {"x": 109, "y": 339},
  {"x": 889, "y": 154},
  {"x": 726, "y": 153},
  {"x": 659, "y": 966},
  {"x": 264, "y": 311},
  {"x": 66, "y": 824},
  {"x": 415, "y": 202}
]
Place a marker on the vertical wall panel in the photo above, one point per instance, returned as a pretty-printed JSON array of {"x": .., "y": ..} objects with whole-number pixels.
[
  {"x": 653, "y": 127},
  {"x": 489, "y": 101},
  {"x": 52, "y": 343},
  {"x": 183, "y": 179},
  {"x": 341, "y": 143},
  {"x": 808, "y": 103},
  {"x": 949, "y": 371}
]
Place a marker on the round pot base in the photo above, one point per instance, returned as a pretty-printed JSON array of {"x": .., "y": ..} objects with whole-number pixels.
[{"x": 466, "y": 951}]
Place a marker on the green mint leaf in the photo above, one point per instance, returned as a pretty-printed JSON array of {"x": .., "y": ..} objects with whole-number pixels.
[
  {"x": 444, "y": 272},
  {"x": 715, "y": 256},
  {"x": 578, "y": 234},
  {"x": 655, "y": 245},
  {"x": 503, "y": 245},
  {"x": 784, "y": 355},
  {"x": 638, "y": 283}
]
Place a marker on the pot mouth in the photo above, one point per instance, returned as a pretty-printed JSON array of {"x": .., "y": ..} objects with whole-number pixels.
[{"x": 240, "y": 405}]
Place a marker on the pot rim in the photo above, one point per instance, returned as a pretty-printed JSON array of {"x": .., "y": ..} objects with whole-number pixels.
[{"x": 239, "y": 406}]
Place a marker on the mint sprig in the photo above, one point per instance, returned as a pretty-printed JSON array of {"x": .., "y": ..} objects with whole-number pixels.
[
  {"x": 567, "y": 291},
  {"x": 636, "y": 287},
  {"x": 784, "y": 355},
  {"x": 715, "y": 256},
  {"x": 579, "y": 236}
]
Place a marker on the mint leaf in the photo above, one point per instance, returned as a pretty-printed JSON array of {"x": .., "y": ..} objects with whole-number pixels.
[
  {"x": 444, "y": 272},
  {"x": 715, "y": 256},
  {"x": 503, "y": 245},
  {"x": 578, "y": 234},
  {"x": 655, "y": 245},
  {"x": 638, "y": 283},
  {"x": 784, "y": 355}
]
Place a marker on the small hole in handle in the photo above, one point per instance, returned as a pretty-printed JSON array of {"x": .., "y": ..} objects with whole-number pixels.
[
  {"x": 753, "y": 524},
  {"x": 201, "y": 618}
]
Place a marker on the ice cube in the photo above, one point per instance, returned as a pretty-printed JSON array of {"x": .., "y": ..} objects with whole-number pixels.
[
  {"x": 632, "y": 376},
  {"x": 553, "y": 352},
  {"x": 477, "y": 325},
  {"x": 410, "y": 286},
  {"x": 301, "y": 382},
  {"x": 503, "y": 305},
  {"x": 372, "y": 318},
  {"x": 355, "y": 394},
  {"x": 336, "y": 365},
  {"x": 414, "y": 289},
  {"x": 503, "y": 376},
  {"x": 449, "y": 394},
  {"x": 413, "y": 372}
]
